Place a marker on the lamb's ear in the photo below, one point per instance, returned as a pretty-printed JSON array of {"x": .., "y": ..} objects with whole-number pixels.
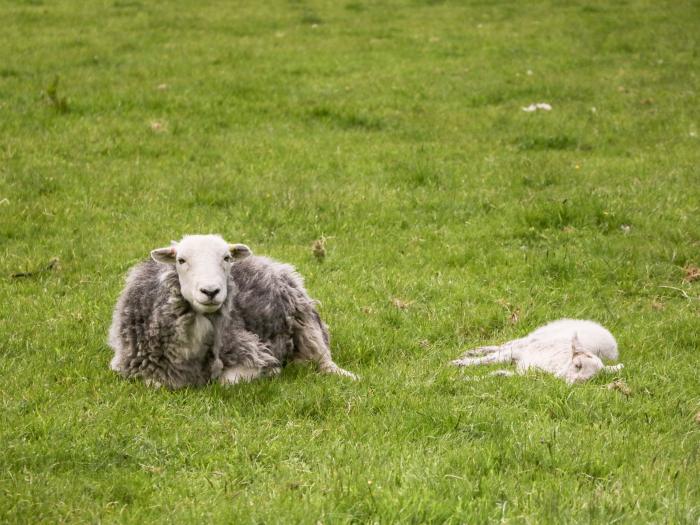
[
  {"x": 239, "y": 251},
  {"x": 164, "y": 255},
  {"x": 576, "y": 347}
]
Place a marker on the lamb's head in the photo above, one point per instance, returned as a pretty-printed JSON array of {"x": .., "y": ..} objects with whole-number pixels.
[
  {"x": 584, "y": 365},
  {"x": 203, "y": 265}
]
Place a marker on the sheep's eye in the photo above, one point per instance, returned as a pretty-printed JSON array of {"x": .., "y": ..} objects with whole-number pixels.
[
  {"x": 227, "y": 258},
  {"x": 180, "y": 260}
]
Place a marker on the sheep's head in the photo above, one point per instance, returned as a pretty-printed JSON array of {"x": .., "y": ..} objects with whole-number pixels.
[
  {"x": 584, "y": 365},
  {"x": 203, "y": 265}
]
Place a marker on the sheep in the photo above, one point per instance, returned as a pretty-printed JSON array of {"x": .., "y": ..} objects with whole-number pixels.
[{"x": 179, "y": 322}]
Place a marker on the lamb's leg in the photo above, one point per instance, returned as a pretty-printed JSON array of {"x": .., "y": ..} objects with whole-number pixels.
[
  {"x": 502, "y": 373},
  {"x": 311, "y": 342},
  {"x": 499, "y": 356},
  {"x": 611, "y": 369},
  {"x": 495, "y": 373},
  {"x": 480, "y": 351},
  {"x": 512, "y": 346}
]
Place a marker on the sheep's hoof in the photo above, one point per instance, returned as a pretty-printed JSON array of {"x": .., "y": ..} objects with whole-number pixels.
[
  {"x": 216, "y": 367},
  {"x": 115, "y": 364},
  {"x": 335, "y": 369},
  {"x": 272, "y": 372},
  {"x": 239, "y": 374},
  {"x": 152, "y": 383},
  {"x": 347, "y": 373}
]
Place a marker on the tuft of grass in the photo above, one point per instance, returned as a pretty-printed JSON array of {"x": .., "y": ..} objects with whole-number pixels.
[
  {"x": 357, "y": 7},
  {"x": 57, "y": 102},
  {"x": 310, "y": 17},
  {"x": 558, "y": 142},
  {"x": 570, "y": 214},
  {"x": 348, "y": 120}
]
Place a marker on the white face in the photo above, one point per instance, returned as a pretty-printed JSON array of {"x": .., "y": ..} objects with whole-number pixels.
[
  {"x": 203, "y": 264},
  {"x": 584, "y": 365}
]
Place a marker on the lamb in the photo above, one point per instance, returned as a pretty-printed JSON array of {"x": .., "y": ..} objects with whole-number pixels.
[
  {"x": 568, "y": 348},
  {"x": 179, "y": 322}
]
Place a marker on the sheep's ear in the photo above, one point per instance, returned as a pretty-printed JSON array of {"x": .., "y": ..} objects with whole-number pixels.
[
  {"x": 164, "y": 255},
  {"x": 239, "y": 251},
  {"x": 576, "y": 347}
]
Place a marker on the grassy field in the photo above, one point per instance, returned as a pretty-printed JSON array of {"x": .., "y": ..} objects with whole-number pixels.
[{"x": 451, "y": 217}]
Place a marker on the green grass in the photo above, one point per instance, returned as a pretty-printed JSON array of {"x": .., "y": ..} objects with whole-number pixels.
[{"x": 394, "y": 130}]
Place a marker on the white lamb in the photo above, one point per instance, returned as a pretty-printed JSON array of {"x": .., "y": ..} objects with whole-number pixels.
[{"x": 570, "y": 349}]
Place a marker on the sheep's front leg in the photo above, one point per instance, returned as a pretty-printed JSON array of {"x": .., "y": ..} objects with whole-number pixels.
[
  {"x": 243, "y": 374},
  {"x": 116, "y": 363},
  {"x": 215, "y": 368},
  {"x": 245, "y": 358}
]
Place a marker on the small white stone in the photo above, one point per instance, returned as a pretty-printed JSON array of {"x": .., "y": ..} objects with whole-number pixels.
[{"x": 539, "y": 105}]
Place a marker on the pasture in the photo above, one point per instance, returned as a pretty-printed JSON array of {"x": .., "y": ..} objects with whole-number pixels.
[{"x": 393, "y": 133}]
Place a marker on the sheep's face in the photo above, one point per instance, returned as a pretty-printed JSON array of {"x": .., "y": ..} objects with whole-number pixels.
[
  {"x": 203, "y": 265},
  {"x": 584, "y": 365}
]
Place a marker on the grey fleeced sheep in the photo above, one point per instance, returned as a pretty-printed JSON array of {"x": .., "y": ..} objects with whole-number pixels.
[{"x": 202, "y": 309}]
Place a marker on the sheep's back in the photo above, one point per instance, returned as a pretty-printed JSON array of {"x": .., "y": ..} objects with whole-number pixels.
[{"x": 269, "y": 295}]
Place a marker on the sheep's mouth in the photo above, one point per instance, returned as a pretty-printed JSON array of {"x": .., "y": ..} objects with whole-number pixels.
[{"x": 207, "y": 307}]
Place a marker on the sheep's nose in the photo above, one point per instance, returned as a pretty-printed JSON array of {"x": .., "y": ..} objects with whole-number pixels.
[{"x": 210, "y": 292}]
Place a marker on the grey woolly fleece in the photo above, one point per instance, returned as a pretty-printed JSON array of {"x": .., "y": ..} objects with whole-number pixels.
[
  {"x": 268, "y": 318},
  {"x": 157, "y": 335},
  {"x": 275, "y": 306}
]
